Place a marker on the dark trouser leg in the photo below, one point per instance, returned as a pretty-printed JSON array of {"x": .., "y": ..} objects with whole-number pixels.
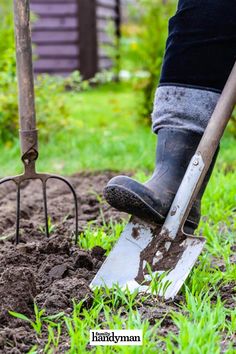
[
  {"x": 201, "y": 46},
  {"x": 200, "y": 53}
]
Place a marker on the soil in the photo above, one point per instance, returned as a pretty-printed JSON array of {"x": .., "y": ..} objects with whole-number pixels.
[
  {"x": 168, "y": 257},
  {"x": 54, "y": 272},
  {"x": 51, "y": 271}
]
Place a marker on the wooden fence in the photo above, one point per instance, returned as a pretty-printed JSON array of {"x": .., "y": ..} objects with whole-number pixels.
[{"x": 70, "y": 35}]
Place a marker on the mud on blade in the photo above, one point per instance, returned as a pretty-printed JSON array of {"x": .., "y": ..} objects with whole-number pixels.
[{"x": 139, "y": 245}]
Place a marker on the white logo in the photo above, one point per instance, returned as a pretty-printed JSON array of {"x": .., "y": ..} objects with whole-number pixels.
[{"x": 116, "y": 337}]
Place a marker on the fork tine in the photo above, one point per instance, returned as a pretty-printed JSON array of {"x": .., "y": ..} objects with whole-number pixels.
[
  {"x": 45, "y": 207},
  {"x": 18, "y": 214},
  {"x": 44, "y": 178},
  {"x": 75, "y": 203},
  {"x": 17, "y": 182},
  {"x": 76, "y": 214}
]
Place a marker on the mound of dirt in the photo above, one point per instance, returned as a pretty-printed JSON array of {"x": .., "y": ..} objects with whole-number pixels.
[{"x": 51, "y": 271}]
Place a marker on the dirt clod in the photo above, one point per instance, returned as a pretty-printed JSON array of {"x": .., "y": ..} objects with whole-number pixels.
[
  {"x": 59, "y": 271},
  {"x": 83, "y": 260},
  {"x": 98, "y": 252},
  {"x": 59, "y": 296},
  {"x": 17, "y": 291}
]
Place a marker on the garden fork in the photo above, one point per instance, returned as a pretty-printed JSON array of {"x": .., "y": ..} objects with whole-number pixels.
[{"x": 27, "y": 116}]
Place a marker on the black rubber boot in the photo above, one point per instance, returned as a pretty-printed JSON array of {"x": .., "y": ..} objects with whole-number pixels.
[{"x": 152, "y": 200}]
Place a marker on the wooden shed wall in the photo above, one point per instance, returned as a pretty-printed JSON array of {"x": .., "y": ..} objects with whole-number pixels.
[{"x": 69, "y": 35}]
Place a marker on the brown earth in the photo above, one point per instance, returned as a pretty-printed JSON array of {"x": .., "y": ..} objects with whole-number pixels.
[{"x": 54, "y": 272}]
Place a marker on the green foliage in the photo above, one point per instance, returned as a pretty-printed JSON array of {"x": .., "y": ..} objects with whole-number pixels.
[
  {"x": 50, "y": 106},
  {"x": 51, "y": 227},
  {"x": 37, "y": 324},
  {"x": 54, "y": 336},
  {"x": 112, "y": 48},
  {"x": 51, "y": 323},
  {"x": 51, "y": 109},
  {"x": 49, "y": 102},
  {"x": 158, "y": 283},
  {"x": 143, "y": 46},
  {"x": 115, "y": 297},
  {"x": 92, "y": 237},
  {"x": 8, "y": 101},
  {"x": 112, "y": 311},
  {"x": 103, "y": 132},
  {"x": 200, "y": 326},
  {"x": 232, "y": 124},
  {"x": 7, "y": 54}
]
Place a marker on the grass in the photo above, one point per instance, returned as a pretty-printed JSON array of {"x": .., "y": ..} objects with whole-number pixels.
[
  {"x": 104, "y": 236},
  {"x": 104, "y": 132},
  {"x": 200, "y": 326}
]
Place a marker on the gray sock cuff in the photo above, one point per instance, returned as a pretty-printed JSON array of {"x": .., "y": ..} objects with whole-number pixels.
[{"x": 183, "y": 108}]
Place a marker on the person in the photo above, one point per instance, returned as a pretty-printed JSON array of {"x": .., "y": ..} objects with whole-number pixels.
[{"x": 200, "y": 53}]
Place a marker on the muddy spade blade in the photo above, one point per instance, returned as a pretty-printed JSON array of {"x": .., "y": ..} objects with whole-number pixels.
[{"x": 141, "y": 243}]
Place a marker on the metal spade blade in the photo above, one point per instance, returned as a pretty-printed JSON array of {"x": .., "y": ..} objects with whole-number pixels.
[{"x": 126, "y": 263}]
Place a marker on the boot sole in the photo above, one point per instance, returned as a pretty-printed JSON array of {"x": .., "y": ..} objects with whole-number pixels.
[{"x": 131, "y": 203}]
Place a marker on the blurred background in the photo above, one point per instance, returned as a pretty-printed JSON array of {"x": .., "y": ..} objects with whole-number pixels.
[{"x": 97, "y": 64}]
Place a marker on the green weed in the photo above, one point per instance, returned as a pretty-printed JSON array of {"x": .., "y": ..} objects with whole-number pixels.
[
  {"x": 201, "y": 326},
  {"x": 158, "y": 284},
  {"x": 37, "y": 323},
  {"x": 51, "y": 227},
  {"x": 104, "y": 236}
]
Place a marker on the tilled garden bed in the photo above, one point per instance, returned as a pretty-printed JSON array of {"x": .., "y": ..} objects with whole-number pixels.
[{"x": 53, "y": 272}]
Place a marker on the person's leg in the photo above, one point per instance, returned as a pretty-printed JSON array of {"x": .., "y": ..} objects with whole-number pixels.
[{"x": 200, "y": 52}]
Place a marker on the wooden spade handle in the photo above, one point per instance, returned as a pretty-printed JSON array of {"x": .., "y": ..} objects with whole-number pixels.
[
  {"x": 201, "y": 160},
  {"x": 219, "y": 120},
  {"x": 215, "y": 129}
]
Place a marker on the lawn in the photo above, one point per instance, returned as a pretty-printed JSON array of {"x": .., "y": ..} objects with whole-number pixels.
[{"x": 104, "y": 132}]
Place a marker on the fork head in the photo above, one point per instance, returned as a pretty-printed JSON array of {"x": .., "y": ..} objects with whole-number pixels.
[{"x": 31, "y": 174}]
